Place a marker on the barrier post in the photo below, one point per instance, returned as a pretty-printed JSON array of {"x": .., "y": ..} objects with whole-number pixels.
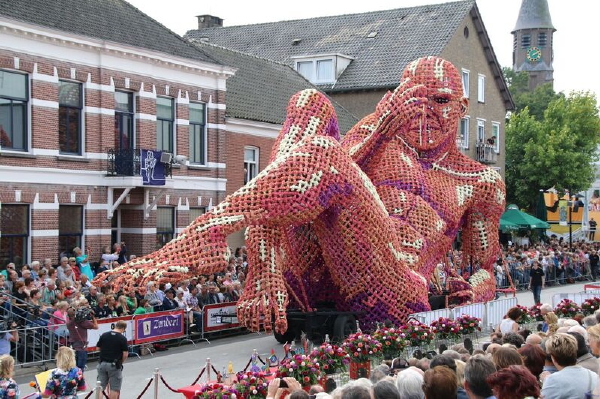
[
  {"x": 98, "y": 390},
  {"x": 156, "y": 378},
  {"x": 208, "y": 367}
]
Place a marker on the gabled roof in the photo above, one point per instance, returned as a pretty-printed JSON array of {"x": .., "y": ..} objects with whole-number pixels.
[
  {"x": 261, "y": 89},
  {"x": 399, "y": 36},
  {"x": 534, "y": 14},
  {"x": 116, "y": 21}
]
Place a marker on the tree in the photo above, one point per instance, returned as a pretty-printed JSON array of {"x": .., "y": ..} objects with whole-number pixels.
[
  {"x": 557, "y": 150},
  {"x": 537, "y": 100}
]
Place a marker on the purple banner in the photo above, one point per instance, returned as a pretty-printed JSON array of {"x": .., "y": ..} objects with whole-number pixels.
[
  {"x": 151, "y": 169},
  {"x": 157, "y": 326}
]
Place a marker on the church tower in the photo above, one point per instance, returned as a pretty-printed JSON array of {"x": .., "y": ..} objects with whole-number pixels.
[{"x": 532, "y": 42}]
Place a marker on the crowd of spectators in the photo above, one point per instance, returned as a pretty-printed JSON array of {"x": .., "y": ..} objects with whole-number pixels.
[
  {"x": 559, "y": 361},
  {"x": 560, "y": 262},
  {"x": 41, "y": 293}
]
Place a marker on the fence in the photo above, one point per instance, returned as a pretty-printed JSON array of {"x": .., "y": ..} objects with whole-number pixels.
[
  {"x": 37, "y": 342},
  {"x": 578, "y": 298},
  {"x": 575, "y": 270},
  {"x": 491, "y": 313}
]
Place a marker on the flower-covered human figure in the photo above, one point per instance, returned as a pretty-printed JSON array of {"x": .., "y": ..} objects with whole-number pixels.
[{"x": 363, "y": 222}]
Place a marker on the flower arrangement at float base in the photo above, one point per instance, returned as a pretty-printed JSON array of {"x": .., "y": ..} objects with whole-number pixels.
[
  {"x": 216, "y": 391},
  {"x": 331, "y": 357},
  {"x": 525, "y": 317},
  {"x": 306, "y": 370},
  {"x": 535, "y": 312},
  {"x": 468, "y": 324},
  {"x": 252, "y": 385},
  {"x": 567, "y": 308},
  {"x": 361, "y": 347},
  {"x": 446, "y": 328},
  {"x": 590, "y": 305},
  {"x": 392, "y": 340},
  {"x": 417, "y": 333}
]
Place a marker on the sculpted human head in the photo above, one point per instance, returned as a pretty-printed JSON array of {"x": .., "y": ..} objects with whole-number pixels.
[{"x": 438, "y": 103}]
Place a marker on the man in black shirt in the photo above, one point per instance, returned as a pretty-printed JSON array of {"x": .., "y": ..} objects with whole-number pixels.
[
  {"x": 113, "y": 353},
  {"x": 536, "y": 281},
  {"x": 593, "y": 225},
  {"x": 594, "y": 260}
]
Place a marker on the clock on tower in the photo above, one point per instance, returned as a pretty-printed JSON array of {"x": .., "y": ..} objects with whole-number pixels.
[{"x": 534, "y": 54}]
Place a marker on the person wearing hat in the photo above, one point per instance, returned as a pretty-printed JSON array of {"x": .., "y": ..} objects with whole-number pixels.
[{"x": 78, "y": 333}]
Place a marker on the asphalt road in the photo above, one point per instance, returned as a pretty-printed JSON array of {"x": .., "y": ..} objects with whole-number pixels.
[{"x": 181, "y": 365}]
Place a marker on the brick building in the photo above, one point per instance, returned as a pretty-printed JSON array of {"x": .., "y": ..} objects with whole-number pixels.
[{"x": 81, "y": 98}]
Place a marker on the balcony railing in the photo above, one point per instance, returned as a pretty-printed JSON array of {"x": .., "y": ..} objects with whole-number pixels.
[
  {"x": 126, "y": 162},
  {"x": 486, "y": 153}
]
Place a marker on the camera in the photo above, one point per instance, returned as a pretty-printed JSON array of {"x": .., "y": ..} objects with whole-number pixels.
[
  {"x": 83, "y": 314},
  {"x": 283, "y": 384}
]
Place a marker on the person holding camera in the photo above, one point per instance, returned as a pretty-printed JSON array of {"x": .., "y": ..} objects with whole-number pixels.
[
  {"x": 113, "y": 353},
  {"x": 8, "y": 336},
  {"x": 80, "y": 321}
]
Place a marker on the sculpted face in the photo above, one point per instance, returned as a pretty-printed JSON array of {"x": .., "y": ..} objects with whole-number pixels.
[{"x": 434, "y": 117}]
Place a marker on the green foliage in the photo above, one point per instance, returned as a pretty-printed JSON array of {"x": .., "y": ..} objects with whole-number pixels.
[
  {"x": 556, "y": 150},
  {"x": 537, "y": 101}
]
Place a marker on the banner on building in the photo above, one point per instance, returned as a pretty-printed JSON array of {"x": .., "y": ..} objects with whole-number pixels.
[
  {"x": 152, "y": 169},
  {"x": 220, "y": 316},
  {"x": 157, "y": 326}
]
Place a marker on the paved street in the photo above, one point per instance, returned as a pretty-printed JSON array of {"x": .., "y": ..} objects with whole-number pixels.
[{"x": 180, "y": 366}]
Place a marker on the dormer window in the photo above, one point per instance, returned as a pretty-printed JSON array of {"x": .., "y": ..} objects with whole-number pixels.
[
  {"x": 323, "y": 68},
  {"x": 317, "y": 71}
]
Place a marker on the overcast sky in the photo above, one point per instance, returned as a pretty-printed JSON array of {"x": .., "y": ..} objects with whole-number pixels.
[{"x": 576, "y": 41}]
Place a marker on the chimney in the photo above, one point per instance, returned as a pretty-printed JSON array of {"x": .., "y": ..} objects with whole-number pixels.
[{"x": 209, "y": 21}]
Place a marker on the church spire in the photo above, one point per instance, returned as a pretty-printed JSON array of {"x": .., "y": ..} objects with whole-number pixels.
[{"x": 534, "y": 14}]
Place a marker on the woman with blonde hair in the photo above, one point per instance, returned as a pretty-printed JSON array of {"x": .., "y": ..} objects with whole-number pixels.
[
  {"x": 66, "y": 379},
  {"x": 552, "y": 320},
  {"x": 8, "y": 387}
]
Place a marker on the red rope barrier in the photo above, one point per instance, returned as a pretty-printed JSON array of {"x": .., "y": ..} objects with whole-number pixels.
[
  {"x": 199, "y": 376},
  {"x": 167, "y": 385},
  {"x": 146, "y": 388}
]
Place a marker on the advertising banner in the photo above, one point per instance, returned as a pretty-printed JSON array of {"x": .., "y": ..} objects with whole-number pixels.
[
  {"x": 105, "y": 325},
  {"x": 220, "y": 316},
  {"x": 158, "y": 326}
]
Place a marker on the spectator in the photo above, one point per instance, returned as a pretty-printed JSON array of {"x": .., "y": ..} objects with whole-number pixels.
[
  {"x": 505, "y": 357},
  {"x": 584, "y": 358},
  {"x": 122, "y": 248},
  {"x": 78, "y": 324},
  {"x": 512, "y": 338},
  {"x": 594, "y": 338},
  {"x": 92, "y": 297},
  {"x": 8, "y": 387},
  {"x": 123, "y": 308},
  {"x": 563, "y": 349},
  {"x": 169, "y": 302},
  {"x": 10, "y": 335},
  {"x": 533, "y": 358},
  {"x": 514, "y": 382},
  {"x": 66, "y": 379},
  {"x": 143, "y": 307},
  {"x": 510, "y": 321},
  {"x": 385, "y": 390},
  {"x": 477, "y": 369},
  {"x": 101, "y": 310},
  {"x": 409, "y": 383},
  {"x": 439, "y": 383},
  {"x": 153, "y": 298},
  {"x": 356, "y": 391}
]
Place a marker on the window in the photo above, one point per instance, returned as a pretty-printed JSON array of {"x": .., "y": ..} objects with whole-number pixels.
[
  {"x": 481, "y": 88},
  {"x": 496, "y": 136},
  {"x": 195, "y": 213},
  {"x": 317, "y": 71},
  {"x": 70, "y": 228},
  {"x": 464, "y": 132},
  {"x": 165, "y": 225},
  {"x": 164, "y": 124},
  {"x": 542, "y": 39},
  {"x": 13, "y": 111},
  {"x": 124, "y": 116},
  {"x": 480, "y": 131},
  {"x": 70, "y": 106},
  {"x": 250, "y": 163},
  {"x": 525, "y": 41},
  {"x": 198, "y": 133},
  {"x": 465, "y": 82},
  {"x": 15, "y": 234}
]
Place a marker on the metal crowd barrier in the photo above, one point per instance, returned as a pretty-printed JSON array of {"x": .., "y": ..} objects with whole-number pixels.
[
  {"x": 491, "y": 313},
  {"x": 578, "y": 297}
]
